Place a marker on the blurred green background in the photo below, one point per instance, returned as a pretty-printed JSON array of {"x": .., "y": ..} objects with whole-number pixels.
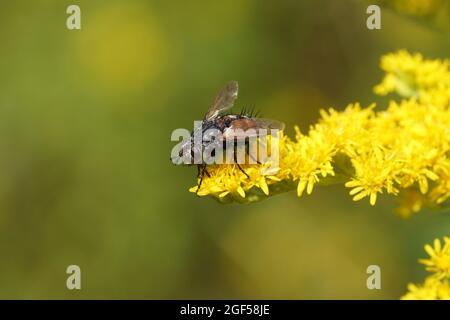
[{"x": 85, "y": 123}]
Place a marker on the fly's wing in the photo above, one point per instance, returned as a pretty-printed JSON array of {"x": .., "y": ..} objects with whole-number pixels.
[
  {"x": 251, "y": 127},
  {"x": 223, "y": 101}
]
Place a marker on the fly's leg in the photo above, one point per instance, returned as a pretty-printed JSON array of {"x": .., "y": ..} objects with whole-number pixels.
[
  {"x": 239, "y": 166},
  {"x": 242, "y": 170},
  {"x": 201, "y": 171},
  {"x": 251, "y": 156},
  {"x": 247, "y": 151}
]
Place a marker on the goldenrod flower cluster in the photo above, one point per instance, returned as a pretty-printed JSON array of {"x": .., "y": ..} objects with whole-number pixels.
[
  {"x": 436, "y": 286},
  {"x": 403, "y": 149}
]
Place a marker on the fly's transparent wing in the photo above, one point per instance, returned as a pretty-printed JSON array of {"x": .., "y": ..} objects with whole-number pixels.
[
  {"x": 223, "y": 101},
  {"x": 269, "y": 124}
]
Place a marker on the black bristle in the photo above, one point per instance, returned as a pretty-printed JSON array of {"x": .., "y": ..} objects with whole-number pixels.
[{"x": 249, "y": 112}]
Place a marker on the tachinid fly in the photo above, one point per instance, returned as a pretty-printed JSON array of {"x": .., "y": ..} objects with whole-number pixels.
[{"x": 228, "y": 126}]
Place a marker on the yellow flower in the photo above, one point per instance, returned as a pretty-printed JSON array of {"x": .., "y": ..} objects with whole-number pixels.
[
  {"x": 308, "y": 160},
  {"x": 439, "y": 261},
  {"x": 229, "y": 180},
  {"x": 432, "y": 289},
  {"x": 436, "y": 286},
  {"x": 410, "y": 74},
  {"x": 403, "y": 149},
  {"x": 375, "y": 171},
  {"x": 442, "y": 190}
]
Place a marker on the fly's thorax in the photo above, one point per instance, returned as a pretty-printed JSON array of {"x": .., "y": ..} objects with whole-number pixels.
[{"x": 227, "y": 120}]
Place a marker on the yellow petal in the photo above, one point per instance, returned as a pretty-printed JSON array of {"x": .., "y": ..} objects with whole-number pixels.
[
  {"x": 353, "y": 183},
  {"x": 360, "y": 195},
  {"x": 355, "y": 190},
  {"x": 264, "y": 187},
  {"x": 301, "y": 187},
  {"x": 373, "y": 198},
  {"x": 223, "y": 194},
  {"x": 241, "y": 192},
  {"x": 423, "y": 185},
  {"x": 429, "y": 250},
  {"x": 437, "y": 245},
  {"x": 310, "y": 187}
]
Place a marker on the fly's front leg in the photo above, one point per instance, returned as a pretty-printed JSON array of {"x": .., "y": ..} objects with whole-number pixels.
[
  {"x": 236, "y": 161},
  {"x": 250, "y": 155},
  {"x": 201, "y": 171}
]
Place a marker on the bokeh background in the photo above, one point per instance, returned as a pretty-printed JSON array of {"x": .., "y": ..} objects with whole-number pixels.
[{"x": 85, "y": 123}]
